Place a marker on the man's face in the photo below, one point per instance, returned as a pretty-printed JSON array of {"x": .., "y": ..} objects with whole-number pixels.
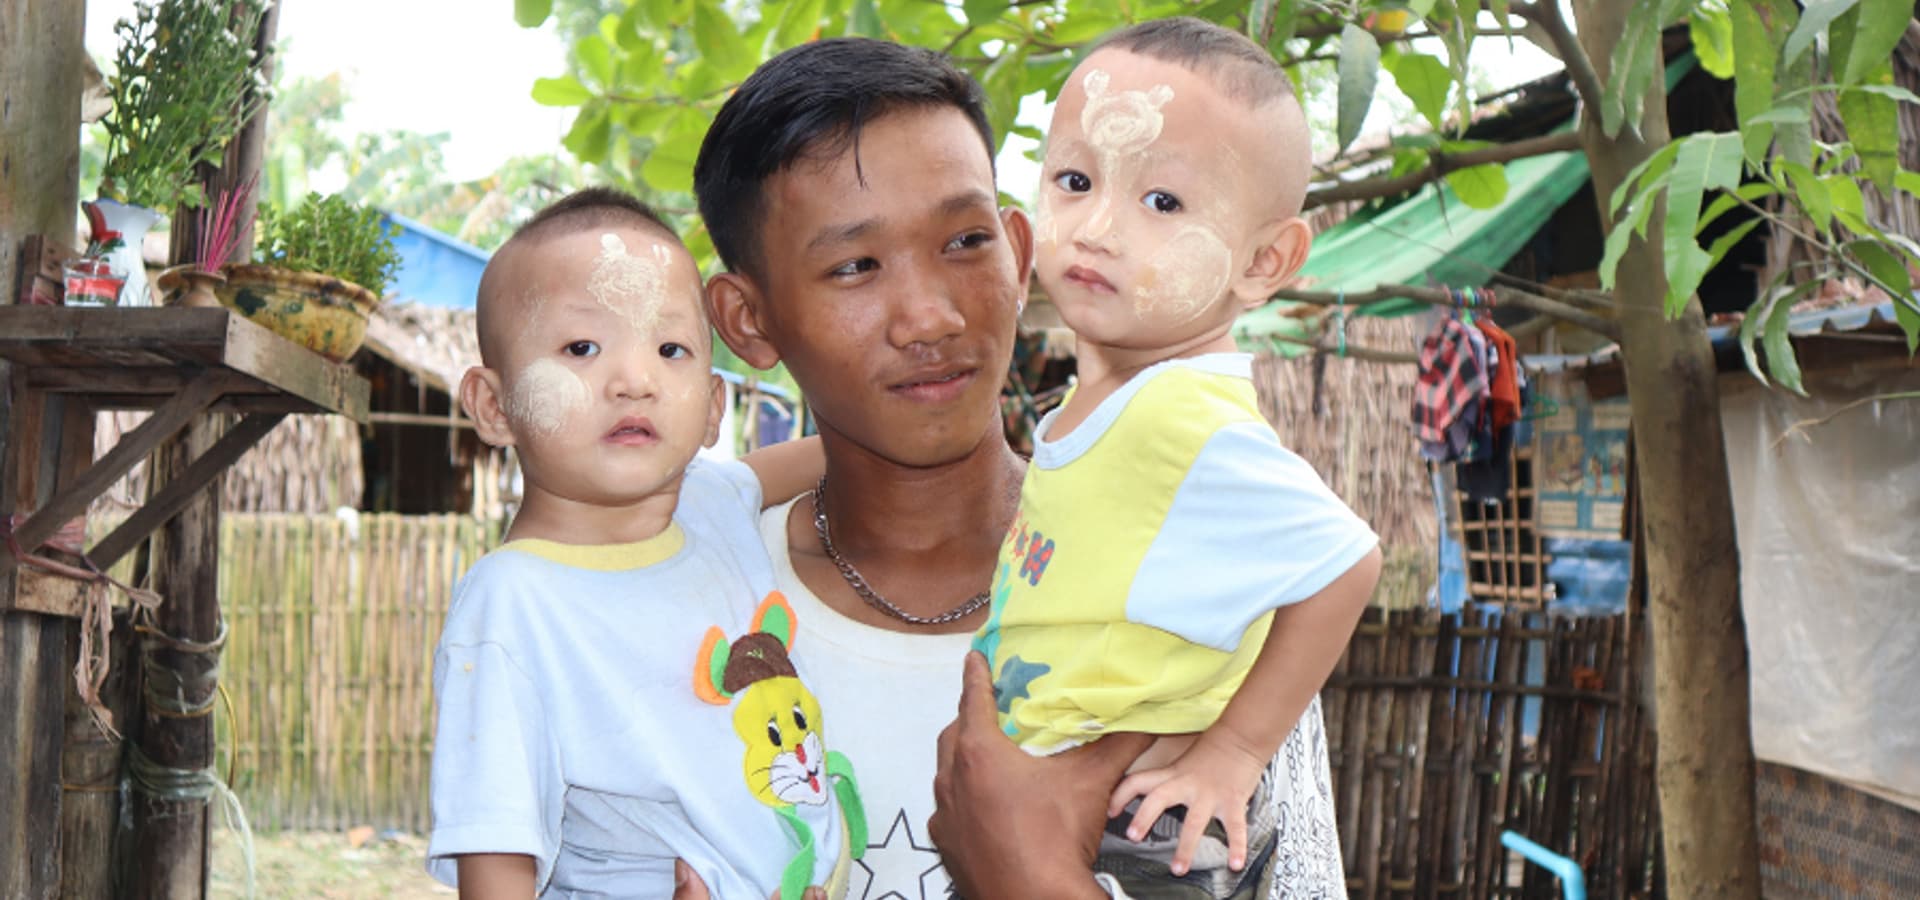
[{"x": 891, "y": 294}]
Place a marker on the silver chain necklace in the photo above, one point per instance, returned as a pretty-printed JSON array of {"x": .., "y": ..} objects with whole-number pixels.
[{"x": 866, "y": 592}]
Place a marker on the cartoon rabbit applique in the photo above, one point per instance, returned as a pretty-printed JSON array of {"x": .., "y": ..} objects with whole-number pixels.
[{"x": 787, "y": 764}]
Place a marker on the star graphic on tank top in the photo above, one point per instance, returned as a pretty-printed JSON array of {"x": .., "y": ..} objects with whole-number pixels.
[
  {"x": 898, "y": 868},
  {"x": 1013, "y": 681}
]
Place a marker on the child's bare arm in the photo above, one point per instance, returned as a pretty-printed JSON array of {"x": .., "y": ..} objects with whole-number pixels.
[
  {"x": 787, "y": 469},
  {"x": 496, "y": 876},
  {"x": 1219, "y": 773}
]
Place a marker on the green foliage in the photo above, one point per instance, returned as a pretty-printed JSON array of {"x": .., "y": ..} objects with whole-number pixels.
[
  {"x": 332, "y": 236},
  {"x": 1359, "y": 71},
  {"x": 185, "y": 80}
]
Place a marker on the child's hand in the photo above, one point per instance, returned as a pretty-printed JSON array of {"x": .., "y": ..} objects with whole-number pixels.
[{"x": 1214, "y": 779}]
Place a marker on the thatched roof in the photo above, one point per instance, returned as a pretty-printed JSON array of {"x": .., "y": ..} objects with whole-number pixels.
[{"x": 436, "y": 344}]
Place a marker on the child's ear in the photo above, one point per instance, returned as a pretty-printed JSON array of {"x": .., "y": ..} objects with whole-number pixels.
[
  {"x": 1281, "y": 251},
  {"x": 734, "y": 306},
  {"x": 480, "y": 397},
  {"x": 717, "y": 409}
]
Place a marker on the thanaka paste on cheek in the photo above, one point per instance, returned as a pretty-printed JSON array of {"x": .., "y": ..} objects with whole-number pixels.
[
  {"x": 1185, "y": 275},
  {"x": 631, "y": 287},
  {"x": 546, "y": 395}
]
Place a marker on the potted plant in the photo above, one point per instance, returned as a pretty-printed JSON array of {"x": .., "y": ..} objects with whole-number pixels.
[
  {"x": 320, "y": 269},
  {"x": 185, "y": 80},
  {"x": 192, "y": 283}
]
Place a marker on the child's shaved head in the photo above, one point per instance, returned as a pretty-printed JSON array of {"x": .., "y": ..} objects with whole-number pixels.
[
  {"x": 582, "y": 210},
  {"x": 1241, "y": 70}
]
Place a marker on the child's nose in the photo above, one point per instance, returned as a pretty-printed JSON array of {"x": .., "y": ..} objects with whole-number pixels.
[
  {"x": 635, "y": 380},
  {"x": 1096, "y": 230}
]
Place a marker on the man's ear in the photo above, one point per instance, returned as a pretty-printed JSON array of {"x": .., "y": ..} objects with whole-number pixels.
[
  {"x": 734, "y": 305},
  {"x": 480, "y": 397},
  {"x": 1020, "y": 237},
  {"x": 716, "y": 409},
  {"x": 1281, "y": 251}
]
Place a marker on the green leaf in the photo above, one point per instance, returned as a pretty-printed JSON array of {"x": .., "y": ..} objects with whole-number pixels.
[
  {"x": 591, "y": 133},
  {"x": 1779, "y": 345},
  {"x": 563, "y": 91},
  {"x": 1755, "y": 45},
  {"x": 1359, "y": 72},
  {"x": 1909, "y": 319},
  {"x": 1480, "y": 187},
  {"x": 980, "y": 12},
  {"x": 1809, "y": 192},
  {"x": 1650, "y": 170},
  {"x": 799, "y": 19},
  {"x": 1879, "y": 26},
  {"x": 1730, "y": 199},
  {"x": 720, "y": 44},
  {"x": 531, "y": 13},
  {"x": 1873, "y": 125},
  {"x": 1890, "y": 91},
  {"x": 1623, "y": 231},
  {"x": 1426, "y": 81},
  {"x": 1888, "y": 271},
  {"x": 1848, "y": 206},
  {"x": 865, "y": 20},
  {"x": 596, "y": 60},
  {"x": 1005, "y": 82},
  {"x": 1724, "y": 243},
  {"x": 1707, "y": 160},
  {"x": 1757, "y": 316},
  {"x": 670, "y": 166},
  {"x": 1795, "y": 142},
  {"x": 1779, "y": 115},
  {"x": 1818, "y": 14},
  {"x": 1711, "y": 27},
  {"x": 1907, "y": 181},
  {"x": 1634, "y": 60}
]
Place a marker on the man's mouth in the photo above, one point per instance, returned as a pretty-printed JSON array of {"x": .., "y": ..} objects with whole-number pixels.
[
  {"x": 938, "y": 386},
  {"x": 633, "y": 431}
]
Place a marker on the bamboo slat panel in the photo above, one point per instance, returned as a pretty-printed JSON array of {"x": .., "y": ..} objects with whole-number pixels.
[
  {"x": 1447, "y": 730},
  {"x": 329, "y": 662}
]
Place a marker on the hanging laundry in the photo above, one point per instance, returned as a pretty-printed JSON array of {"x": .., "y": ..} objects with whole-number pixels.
[
  {"x": 1450, "y": 395},
  {"x": 1504, "y": 382}
]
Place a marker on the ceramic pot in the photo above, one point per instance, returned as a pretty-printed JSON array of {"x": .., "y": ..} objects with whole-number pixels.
[
  {"x": 189, "y": 285},
  {"x": 132, "y": 223},
  {"x": 320, "y": 312}
]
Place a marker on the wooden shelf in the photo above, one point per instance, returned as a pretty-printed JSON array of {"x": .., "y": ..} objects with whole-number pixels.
[
  {"x": 179, "y": 363},
  {"x": 137, "y": 358}
]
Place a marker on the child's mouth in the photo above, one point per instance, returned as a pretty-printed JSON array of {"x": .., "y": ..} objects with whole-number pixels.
[
  {"x": 1089, "y": 279},
  {"x": 633, "y": 431}
]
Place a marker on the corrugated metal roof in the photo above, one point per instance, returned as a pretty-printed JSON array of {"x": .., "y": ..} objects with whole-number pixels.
[{"x": 1837, "y": 320}]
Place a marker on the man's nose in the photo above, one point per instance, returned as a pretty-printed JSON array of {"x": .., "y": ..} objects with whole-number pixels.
[{"x": 926, "y": 311}]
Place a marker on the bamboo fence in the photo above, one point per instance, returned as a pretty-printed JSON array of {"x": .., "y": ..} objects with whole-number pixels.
[
  {"x": 1445, "y": 731},
  {"x": 329, "y": 661}
]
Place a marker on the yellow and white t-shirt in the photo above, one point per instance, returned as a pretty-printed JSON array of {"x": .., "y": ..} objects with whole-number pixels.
[{"x": 1135, "y": 586}]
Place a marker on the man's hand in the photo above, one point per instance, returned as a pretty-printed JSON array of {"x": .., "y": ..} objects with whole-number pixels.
[
  {"x": 1214, "y": 779},
  {"x": 688, "y": 886},
  {"x": 1013, "y": 825}
]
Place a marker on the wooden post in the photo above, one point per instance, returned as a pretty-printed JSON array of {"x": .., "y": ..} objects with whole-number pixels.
[
  {"x": 40, "y": 45},
  {"x": 171, "y": 853}
]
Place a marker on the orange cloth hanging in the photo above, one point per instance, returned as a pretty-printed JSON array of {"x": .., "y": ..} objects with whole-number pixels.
[{"x": 1503, "y": 401}]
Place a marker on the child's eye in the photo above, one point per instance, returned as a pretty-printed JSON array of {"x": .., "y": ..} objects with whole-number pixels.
[
  {"x": 970, "y": 240},
  {"x": 854, "y": 267},
  {"x": 1161, "y": 202},
  {"x": 1073, "y": 182},
  {"x": 671, "y": 350},
  {"x": 773, "y": 732},
  {"x": 582, "y": 349},
  {"x": 799, "y": 718}
]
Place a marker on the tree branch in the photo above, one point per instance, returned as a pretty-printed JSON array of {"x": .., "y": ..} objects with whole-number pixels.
[
  {"x": 1440, "y": 297},
  {"x": 1369, "y": 354},
  {"x": 1372, "y": 188},
  {"x": 1546, "y": 14}
]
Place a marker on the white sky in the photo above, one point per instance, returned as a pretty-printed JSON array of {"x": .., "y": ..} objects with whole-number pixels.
[{"x": 466, "y": 69}]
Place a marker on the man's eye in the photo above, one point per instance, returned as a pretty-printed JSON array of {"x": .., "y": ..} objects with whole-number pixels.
[
  {"x": 970, "y": 240},
  {"x": 671, "y": 350},
  {"x": 855, "y": 267},
  {"x": 1161, "y": 202},
  {"x": 1073, "y": 182},
  {"x": 583, "y": 349}
]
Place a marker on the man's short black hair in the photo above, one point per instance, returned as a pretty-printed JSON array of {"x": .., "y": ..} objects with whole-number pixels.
[{"x": 811, "y": 103}]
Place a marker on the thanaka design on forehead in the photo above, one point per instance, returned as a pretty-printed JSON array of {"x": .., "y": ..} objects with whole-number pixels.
[{"x": 631, "y": 287}]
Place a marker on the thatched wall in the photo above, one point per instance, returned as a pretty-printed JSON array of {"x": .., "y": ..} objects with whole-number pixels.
[{"x": 1358, "y": 436}]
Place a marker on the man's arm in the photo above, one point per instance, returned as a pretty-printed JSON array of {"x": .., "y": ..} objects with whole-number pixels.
[
  {"x": 787, "y": 469},
  {"x": 496, "y": 876},
  {"x": 1012, "y": 825}
]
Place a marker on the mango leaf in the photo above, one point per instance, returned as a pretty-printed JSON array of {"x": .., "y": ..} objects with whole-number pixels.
[
  {"x": 1907, "y": 181},
  {"x": 719, "y": 42},
  {"x": 1757, "y": 316},
  {"x": 1426, "y": 81},
  {"x": 1873, "y": 125},
  {"x": 1888, "y": 271},
  {"x": 1359, "y": 72},
  {"x": 1652, "y": 169},
  {"x": 865, "y": 20},
  {"x": 1818, "y": 15},
  {"x": 1724, "y": 243},
  {"x": 1795, "y": 141},
  {"x": 1848, "y": 207},
  {"x": 1707, "y": 160},
  {"x": 1635, "y": 220},
  {"x": 1891, "y": 91},
  {"x": 1908, "y": 316},
  {"x": 1634, "y": 60},
  {"x": 670, "y": 166},
  {"x": 1260, "y": 20},
  {"x": 1779, "y": 115},
  {"x": 531, "y": 13},
  {"x": 1755, "y": 46},
  {"x": 1779, "y": 345},
  {"x": 1711, "y": 27},
  {"x": 799, "y": 19},
  {"x": 591, "y": 134},
  {"x": 1810, "y": 193},
  {"x": 1480, "y": 187},
  {"x": 563, "y": 91},
  {"x": 1730, "y": 199},
  {"x": 1879, "y": 26}
]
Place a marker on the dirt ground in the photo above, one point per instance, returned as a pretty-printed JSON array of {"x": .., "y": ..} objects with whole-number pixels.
[{"x": 321, "y": 864}]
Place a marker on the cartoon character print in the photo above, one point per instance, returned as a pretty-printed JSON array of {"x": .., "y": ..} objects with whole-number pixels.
[
  {"x": 786, "y": 763},
  {"x": 1025, "y": 556}
]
